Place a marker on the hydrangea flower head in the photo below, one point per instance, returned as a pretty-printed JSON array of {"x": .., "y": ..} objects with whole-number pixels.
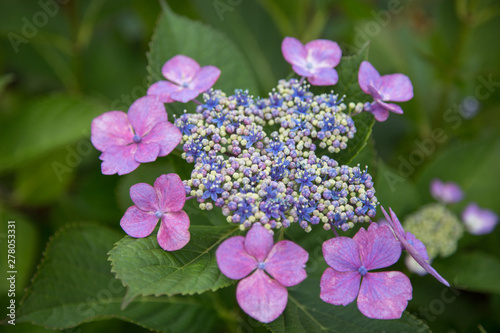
[
  {"x": 393, "y": 87},
  {"x": 186, "y": 80},
  {"x": 411, "y": 244},
  {"x": 381, "y": 295},
  {"x": 479, "y": 221},
  {"x": 163, "y": 201},
  {"x": 260, "y": 295},
  {"x": 127, "y": 140},
  {"x": 315, "y": 60},
  {"x": 448, "y": 192}
]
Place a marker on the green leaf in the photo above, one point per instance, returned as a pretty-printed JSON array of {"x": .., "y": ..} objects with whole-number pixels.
[
  {"x": 146, "y": 269},
  {"x": 44, "y": 125},
  {"x": 307, "y": 313},
  {"x": 476, "y": 271},
  {"x": 74, "y": 284},
  {"x": 364, "y": 123},
  {"x": 178, "y": 35},
  {"x": 348, "y": 77}
]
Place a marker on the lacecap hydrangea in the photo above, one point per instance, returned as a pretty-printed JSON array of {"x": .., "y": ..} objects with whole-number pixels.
[{"x": 268, "y": 163}]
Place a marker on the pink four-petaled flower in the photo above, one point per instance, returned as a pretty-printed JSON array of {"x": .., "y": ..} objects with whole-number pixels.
[
  {"x": 188, "y": 80},
  {"x": 259, "y": 295},
  {"x": 393, "y": 87},
  {"x": 413, "y": 245},
  {"x": 127, "y": 140},
  {"x": 449, "y": 192},
  {"x": 479, "y": 221},
  {"x": 163, "y": 201},
  {"x": 382, "y": 295},
  {"x": 315, "y": 60}
]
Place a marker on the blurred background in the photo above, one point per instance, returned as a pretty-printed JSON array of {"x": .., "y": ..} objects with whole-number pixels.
[{"x": 63, "y": 63}]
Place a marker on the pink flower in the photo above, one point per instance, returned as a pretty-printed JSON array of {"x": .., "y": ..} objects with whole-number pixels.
[
  {"x": 393, "y": 87},
  {"x": 446, "y": 192},
  {"x": 315, "y": 60},
  {"x": 127, "y": 140},
  {"x": 259, "y": 295},
  {"x": 163, "y": 201},
  {"x": 189, "y": 80},
  {"x": 413, "y": 245},
  {"x": 479, "y": 221},
  {"x": 382, "y": 295}
]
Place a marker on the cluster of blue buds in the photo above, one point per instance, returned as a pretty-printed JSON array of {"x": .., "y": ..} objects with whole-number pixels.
[{"x": 257, "y": 159}]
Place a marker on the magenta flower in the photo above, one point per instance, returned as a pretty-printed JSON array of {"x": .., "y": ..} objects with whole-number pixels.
[
  {"x": 479, "y": 221},
  {"x": 446, "y": 192},
  {"x": 393, "y": 87},
  {"x": 188, "y": 80},
  {"x": 259, "y": 295},
  {"x": 413, "y": 245},
  {"x": 127, "y": 140},
  {"x": 382, "y": 295},
  {"x": 163, "y": 201},
  {"x": 316, "y": 60}
]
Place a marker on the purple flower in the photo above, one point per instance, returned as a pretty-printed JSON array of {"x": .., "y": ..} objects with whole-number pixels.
[
  {"x": 479, "y": 221},
  {"x": 382, "y": 295},
  {"x": 411, "y": 244},
  {"x": 446, "y": 192},
  {"x": 163, "y": 201},
  {"x": 316, "y": 60},
  {"x": 189, "y": 80},
  {"x": 393, "y": 87},
  {"x": 126, "y": 140},
  {"x": 258, "y": 294}
]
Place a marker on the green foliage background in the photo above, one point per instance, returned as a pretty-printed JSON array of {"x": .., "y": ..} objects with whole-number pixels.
[{"x": 62, "y": 65}]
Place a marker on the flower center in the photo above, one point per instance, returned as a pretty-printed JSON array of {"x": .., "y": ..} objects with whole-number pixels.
[
  {"x": 362, "y": 270},
  {"x": 136, "y": 138},
  {"x": 410, "y": 241},
  {"x": 309, "y": 66},
  {"x": 185, "y": 84},
  {"x": 158, "y": 214},
  {"x": 261, "y": 265}
]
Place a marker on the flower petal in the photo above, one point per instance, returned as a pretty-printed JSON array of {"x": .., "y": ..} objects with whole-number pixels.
[
  {"x": 167, "y": 135},
  {"x": 233, "y": 260},
  {"x": 119, "y": 159},
  {"x": 293, "y": 51},
  {"x": 479, "y": 221},
  {"x": 261, "y": 297},
  {"x": 384, "y": 295},
  {"x": 342, "y": 254},
  {"x": 147, "y": 152},
  {"x": 205, "y": 78},
  {"x": 111, "y": 129},
  {"x": 137, "y": 223},
  {"x": 180, "y": 69},
  {"x": 258, "y": 242},
  {"x": 324, "y": 77},
  {"x": 145, "y": 113},
  {"x": 184, "y": 95},
  {"x": 390, "y": 107},
  {"x": 367, "y": 75},
  {"x": 302, "y": 71},
  {"x": 144, "y": 197},
  {"x": 380, "y": 113},
  {"x": 449, "y": 192},
  {"x": 162, "y": 90},
  {"x": 395, "y": 88},
  {"x": 171, "y": 192},
  {"x": 323, "y": 53},
  {"x": 377, "y": 247},
  {"x": 174, "y": 231},
  {"x": 339, "y": 288},
  {"x": 394, "y": 221},
  {"x": 286, "y": 263}
]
